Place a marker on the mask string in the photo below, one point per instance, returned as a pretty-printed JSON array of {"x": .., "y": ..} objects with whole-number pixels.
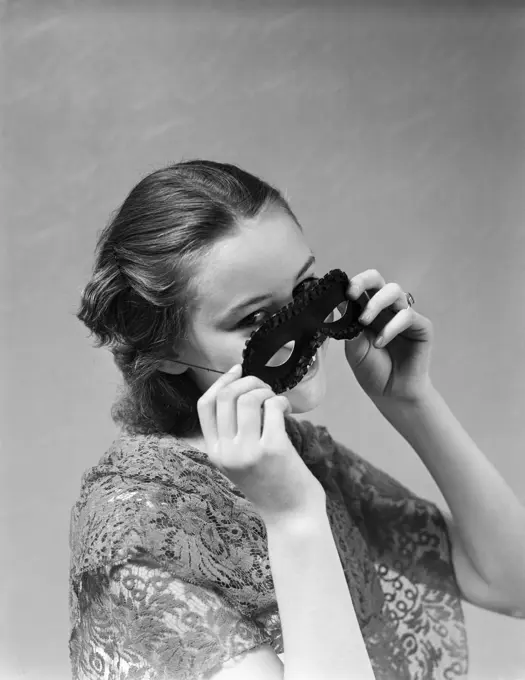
[
  {"x": 210, "y": 369},
  {"x": 203, "y": 368}
]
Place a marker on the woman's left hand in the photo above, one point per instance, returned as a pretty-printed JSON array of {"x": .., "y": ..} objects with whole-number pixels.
[{"x": 398, "y": 368}]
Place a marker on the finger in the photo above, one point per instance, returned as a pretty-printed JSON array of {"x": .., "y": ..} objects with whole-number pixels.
[
  {"x": 362, "y": 282},
  {"x": 274, "y": 412},
  {"x": 390, "y": 296},
  {"x": 249, "y": 414},
  {"x": 227, "y": 425},
  {"x": 206, "y": 406},
  {"x": 382, "y": 307},
  {"x": 401, "y": 322}
]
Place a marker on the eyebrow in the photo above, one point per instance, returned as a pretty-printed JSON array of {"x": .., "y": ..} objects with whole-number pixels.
[{"x": 260, "y": 298}]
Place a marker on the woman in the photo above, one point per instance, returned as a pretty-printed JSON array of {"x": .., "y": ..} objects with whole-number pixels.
[{"x": 217, "y": 531}]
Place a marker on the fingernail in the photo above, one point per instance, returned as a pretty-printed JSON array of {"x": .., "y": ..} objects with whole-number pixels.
[
  {"x": 378, "y": 342},
  {"x": 235, "y": 369}
]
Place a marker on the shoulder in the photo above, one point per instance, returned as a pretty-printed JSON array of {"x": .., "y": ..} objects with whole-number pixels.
[
  {"x": 313, "y": 442},
  {"x": 143, "y": 487},
  {"x": 348, "y": 465},
  {"x": 325, "y": 456},
  {"x": 172, "y": 504}
]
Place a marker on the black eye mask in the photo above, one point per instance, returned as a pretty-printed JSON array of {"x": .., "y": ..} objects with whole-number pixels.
[{"x": 308, "y": 320}]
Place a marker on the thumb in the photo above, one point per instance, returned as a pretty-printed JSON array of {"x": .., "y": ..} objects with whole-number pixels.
[{"x": 287, "y": 408}]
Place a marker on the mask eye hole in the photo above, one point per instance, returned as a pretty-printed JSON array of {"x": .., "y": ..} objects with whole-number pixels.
[
  {"x": 282, "y": 355},
  {"x": 337, "y": 313}
]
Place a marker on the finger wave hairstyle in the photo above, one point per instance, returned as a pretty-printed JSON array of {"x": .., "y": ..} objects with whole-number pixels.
[{"x": 140, "y": 297}]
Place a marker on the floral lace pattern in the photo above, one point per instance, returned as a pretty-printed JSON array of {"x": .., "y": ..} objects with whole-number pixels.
[
  {"x": 150, "y": 625},
  {"x": 170, "y": 575}
]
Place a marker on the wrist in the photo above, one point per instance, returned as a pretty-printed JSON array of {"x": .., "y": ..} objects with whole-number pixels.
[
  {"x": 424, "y": 399},
  {"x": 405, "y": 415}
]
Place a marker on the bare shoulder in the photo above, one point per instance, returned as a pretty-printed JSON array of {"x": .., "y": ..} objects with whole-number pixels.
[{"x": 259, "y": 663}]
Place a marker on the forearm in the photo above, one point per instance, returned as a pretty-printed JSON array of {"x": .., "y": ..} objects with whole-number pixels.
[
  {"x": 321, "y": 633},
  {"x": 489, "y": 517}
]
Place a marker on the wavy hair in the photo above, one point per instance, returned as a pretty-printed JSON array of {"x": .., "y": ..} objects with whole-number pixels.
[{"x": 140, "y": 297}]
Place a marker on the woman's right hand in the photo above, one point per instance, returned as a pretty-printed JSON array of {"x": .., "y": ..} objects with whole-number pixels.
[{"x": 263, "y": 463}]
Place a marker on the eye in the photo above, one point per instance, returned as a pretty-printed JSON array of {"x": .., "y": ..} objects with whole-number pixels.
[{"x": 247, "y": 322}]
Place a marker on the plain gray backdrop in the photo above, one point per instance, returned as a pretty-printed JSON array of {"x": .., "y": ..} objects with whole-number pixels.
[{"x": 396, "y": 131}]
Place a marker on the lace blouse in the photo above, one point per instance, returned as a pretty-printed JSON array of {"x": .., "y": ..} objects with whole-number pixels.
[{"x": 170, "y": 575}]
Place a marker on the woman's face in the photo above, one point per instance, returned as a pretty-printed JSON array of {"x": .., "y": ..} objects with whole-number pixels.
[{"x": 267, "y": 259}]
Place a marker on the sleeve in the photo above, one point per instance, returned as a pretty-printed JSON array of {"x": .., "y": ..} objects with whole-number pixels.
[
  {"x": 403, "y": 530},
  {"x": 140, "y": 623},
  {"x": 409, "y": 544}
]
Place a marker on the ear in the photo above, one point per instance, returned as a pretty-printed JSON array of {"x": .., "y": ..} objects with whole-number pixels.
[{"x": 172, "y": 366}]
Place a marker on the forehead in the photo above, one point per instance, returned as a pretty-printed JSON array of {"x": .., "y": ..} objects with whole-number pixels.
[{"x": 262, "y": 258}]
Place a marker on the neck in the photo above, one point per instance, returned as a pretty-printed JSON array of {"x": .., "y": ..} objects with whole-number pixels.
[{"x": 195, "y": 440}]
